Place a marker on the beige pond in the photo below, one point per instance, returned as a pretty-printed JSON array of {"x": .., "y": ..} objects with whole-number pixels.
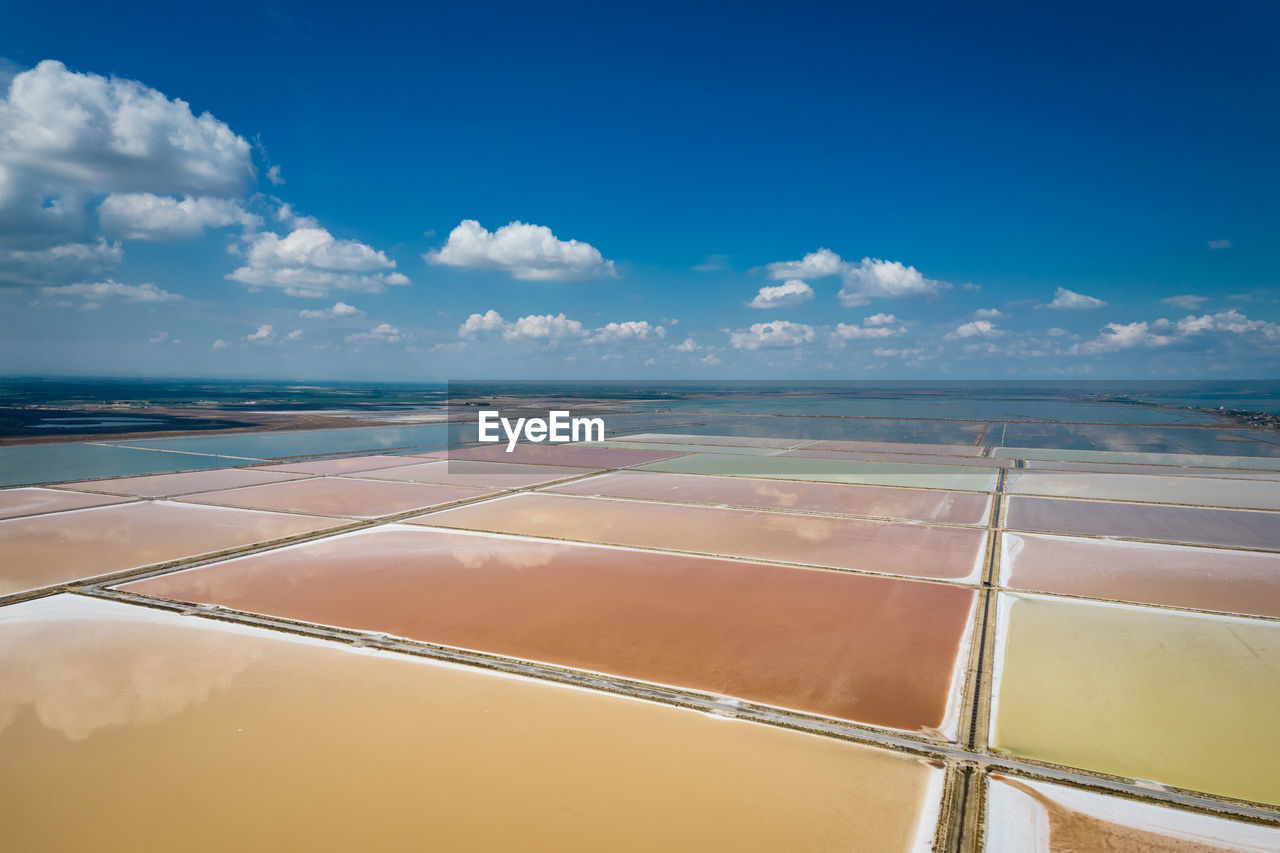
[
  {"x": 493, "y": 475},
  {"x": 186, "y": 482},
  {"x": 33, "y": 500},
  {"x": 339, "y": 496},
  {"x": 833, "y": 498},
  {"x": 129, "y": 729},
  {"x": 1183, "y": 699},
  {"x": 65, "y": 546},
  {"x": 926, "y": 551},
  {"x": 1143, "y": 572}
]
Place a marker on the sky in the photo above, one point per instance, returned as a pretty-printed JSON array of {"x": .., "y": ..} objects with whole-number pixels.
[{"x": 288, "y": 190}]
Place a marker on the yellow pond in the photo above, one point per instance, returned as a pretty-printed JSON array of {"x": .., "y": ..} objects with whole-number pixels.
[{"x": 1184, "y": 699}]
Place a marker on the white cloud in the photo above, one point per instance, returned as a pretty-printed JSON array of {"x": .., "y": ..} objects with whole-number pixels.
[
  {"x": 383, "y": 333},
  {"x": 94, "y": 294},
  {"x": 1160, "y": 333},
  {"x": 146, "y": 216},
  {"x": 1069, "y": 300},
  {"x": 976, "y": 328},
  {"x": 819, "y": 264},
  {"x": 67, "y": 138},
  {"x": 158, "y": 338},
  {"x": 1219, "y": 244},
  {"x": 70, "y": 262},
  {"x": 870, "y": 278},
  {"x": 103, "y": 135},
  {"x": 787, "y": 295},
  {"x": 879, "y": 320},
  {"x": 631, "y": 330},
  {"x": 1187, "y": 301},
  {"x": 1117, "y": 336},
  {"x": 274, "y": 176},
  {"x": 1232, "y": 322},
  {"x": 220, "y": 344},
  {"x": 775, "y": 334},
  {"x": 877, "y": 279},
  {"x": 294, "y": 335},
  {"x": 1055, "y": 332},
  {"x": 988, "y": 314},
  {"x": 543, "y": 327},
  {"x": 489, "y": 321},
  {"x": 849, "y": 332},
  {"x": 264, "y": 332},
  {"x": 687, "y": 345},
  {"x": 526, "y": 252},
  {"x": 710, "y": 359},
  {"x": 311, "y": 262},
  {"x": 339, "y": 309}
]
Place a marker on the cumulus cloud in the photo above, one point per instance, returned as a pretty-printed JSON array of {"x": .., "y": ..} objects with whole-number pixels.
[
  {"x": 383, "y": 333},
  {"x": 543, "y": 327},
  {"x": 870, "y": 278},
  {"x": 873, "y": 278},
  {"x": 1216, "y": 245},
  {"x": 264, "y": 332},
  {"x": 489, "y": 321},
  {"x": 819, "y": 264},
  {"x": 1122, "y": 336},
  {"x": 558, "y": 327},
  {"x": 772, "y": 335},
  {"x": 988, "y": 314},
  {"x": 631, "y": 330},
  {"x": 976, "y": 328},
  {"x": 527, "y": 252},
  {"x": 69, "y": 138},
  {"x": 687, "y": 345},
  {"x": 787, "y": 295},
  {"x": 1232, "y": 322},
  {"x": 93, "y": 295},
  {"x": 146, "y": 216},
  {"x": 1187, "y": 301},
  {"x": 274, "y": 176},
  {"x": 70, "y": 262},
  {"x": 311, "y": 262},
  {"x": 339, "y": 309},
  {"x": 879, "y": 320},
  {"x": 1069, "y": 300},
  {"x": 848, "y": 332},
  {"x": 107, "y": 135}
]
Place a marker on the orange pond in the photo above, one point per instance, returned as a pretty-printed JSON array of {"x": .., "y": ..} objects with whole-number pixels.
[
  {"x": 65, "y": 546},
  {"x": 126, "y": 728},
  {"x": 1201, "y": 578},
  {"x": 945, "y": 553},
  {"x": 873, "y": 650},
  {"x": 834, "y": 498}
]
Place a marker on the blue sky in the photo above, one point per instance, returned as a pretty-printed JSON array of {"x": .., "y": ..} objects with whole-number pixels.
[{"x": 289, "y": 190}]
